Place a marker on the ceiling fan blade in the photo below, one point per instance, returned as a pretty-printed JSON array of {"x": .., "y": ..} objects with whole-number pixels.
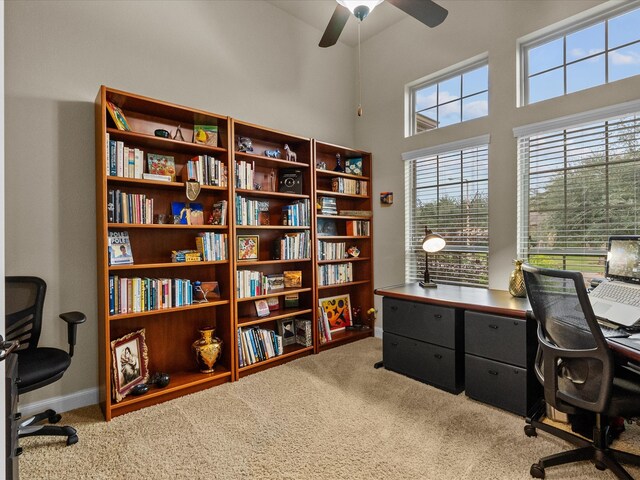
[
  {"x": 425, "y": 11},
  {"x": 335, "y": 27}
]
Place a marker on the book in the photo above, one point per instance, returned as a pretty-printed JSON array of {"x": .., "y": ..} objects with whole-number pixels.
[
  {"x": 353, "y": 166},
  {"x": 205, "y": 135},
  {"x": 356, "y": 213},
  {"x": 219, "y": 213},
  {"x": 291, "y": 300},
  {"x": 274, "y": 303},
  {"x": 304, "y": 336},
  {"x": 292, "y": 278},
  {"x": 118, "y": 117},
  {"x": 262, "y": 308},
  {"x": 263, "y": 213},
  {"x": 156, "y": 177},
  {"x": 275, "y": 282},
  {"x": 120, "y": 248},
  {"x": 161, "y": 165}
]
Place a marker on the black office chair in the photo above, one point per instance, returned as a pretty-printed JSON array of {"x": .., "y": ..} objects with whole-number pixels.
[
  {"x": 37, "y": 366},
  {"x": 577, "y": 369}
]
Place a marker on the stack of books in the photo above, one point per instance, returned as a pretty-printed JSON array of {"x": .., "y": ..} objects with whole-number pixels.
[{"x": 328, "y": 206}]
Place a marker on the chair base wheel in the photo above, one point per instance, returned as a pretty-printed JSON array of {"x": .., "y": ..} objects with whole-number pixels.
[
  {"x": 530, "y": 431},
  {"x": 536, "y": 471},
  {"x": 600, "y": 465},
  {"x": 55, "y": 418},
  {"x": 72, "y": 439}
]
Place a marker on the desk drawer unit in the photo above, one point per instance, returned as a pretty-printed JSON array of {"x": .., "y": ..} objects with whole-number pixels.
[
  {"x": 424, "y": 342},
  {"x": 423, "y": 361},
  {"x": 499, "y": 354}
]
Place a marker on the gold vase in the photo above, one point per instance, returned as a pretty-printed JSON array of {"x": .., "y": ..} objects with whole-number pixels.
[
  {"x": 207, "y": 349},
  {"x": 516, "y": 281}
]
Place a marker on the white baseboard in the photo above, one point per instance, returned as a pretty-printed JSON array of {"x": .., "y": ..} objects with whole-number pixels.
[
  {"x": 377, "y": 332},
  {"x": 62, "y": 403}
]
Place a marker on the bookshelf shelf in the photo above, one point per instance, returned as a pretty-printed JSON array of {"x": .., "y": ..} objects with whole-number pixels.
[
  {"x": 271, "y": 227},
  {"x": 276, "y": 315},
  {"x": 289, "y": 351},
  {"x": 357, "y": 271},
  {"x": 329, "y": 193},
  {"x": 270, "y": 162},
  {"x": 244, "y": 263},
  {"x": 169, "y": 332},
  {"x": 277, "y": 293},
  {"x": 164, "y": 311},
  {"x": 265, "y": 193}
]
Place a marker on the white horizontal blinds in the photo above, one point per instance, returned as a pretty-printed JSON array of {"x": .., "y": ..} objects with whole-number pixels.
[
  {"x": 578, "y": 185},
  {"x": 448, "y": 192}
]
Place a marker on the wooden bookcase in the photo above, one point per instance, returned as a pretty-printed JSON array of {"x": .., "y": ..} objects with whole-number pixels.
[
  {"x": 252, "y": 175},
  {"x": 264, "y": 187},
  {"x": 360, "y": 286},
  {"x": 169, "y": 332}
]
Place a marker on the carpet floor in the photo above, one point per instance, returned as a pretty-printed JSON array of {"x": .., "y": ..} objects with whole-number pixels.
[{"x": 326, "y": 416}]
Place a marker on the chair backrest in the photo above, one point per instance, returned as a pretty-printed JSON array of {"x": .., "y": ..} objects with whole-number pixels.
[
  {"x": 577, "y": 365},
  {"x": 24, "y": 301}
]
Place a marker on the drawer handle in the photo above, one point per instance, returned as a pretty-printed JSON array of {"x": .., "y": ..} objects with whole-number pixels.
[
  {"x": 394, "y": 344},
  {"x": 438, "y": 356},
  {"x": 394, "y": 308},
  {"x": 495, "y": 327},
  {"x": 493, "y": 372},
  {"x": 437, "y": 315}
]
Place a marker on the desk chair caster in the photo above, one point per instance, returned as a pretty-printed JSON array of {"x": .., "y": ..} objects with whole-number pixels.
[
  {"x": 28, "y": 427},
  {"x": 530, "y": 431}
]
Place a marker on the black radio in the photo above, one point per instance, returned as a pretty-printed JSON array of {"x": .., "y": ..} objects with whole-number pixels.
[{"x": 290, "y": 181}]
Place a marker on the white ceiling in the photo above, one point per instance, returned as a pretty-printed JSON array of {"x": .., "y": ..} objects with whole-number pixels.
[{"x": 318, "y": 12}]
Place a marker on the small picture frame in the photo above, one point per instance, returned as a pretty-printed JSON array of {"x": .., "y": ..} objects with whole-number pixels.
[
  {"x": 262, "y": 308},
  {"x": 327, "y": 227},
  {"x": 129, "y": 363},
  {"x": 287, "y": 330},
  {"x": 248, "y": 247},
  {"x": 386, "y": 198}
]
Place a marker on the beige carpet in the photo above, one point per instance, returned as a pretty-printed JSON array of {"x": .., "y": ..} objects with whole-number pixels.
[{"x": 327, "y": 416}]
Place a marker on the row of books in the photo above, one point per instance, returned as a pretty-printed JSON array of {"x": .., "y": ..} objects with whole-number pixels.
[
  {"x": 324, "y": 330},
  {"x": 212, "y": 246},
  {"x": 251, "y": 212},
  {"x": 293, "y": 246},
  {"x": 245, "y": 174},
  {"x": 334, "y": 274},
  {"x": 358, "y": 228},
  {"x": 123, "y": 161},
  {"x": 331, "y": 250},
  {"x": 257, "y": 345},
  {"x": 328, "y": 206},
  {"x": 297, "y": 214},
  {"x": 349, "y": 185},
  {"x": 206, "y": 170},
  {"x": 251, "y": 283},
  {"x": 123, "y": 207},
  {"x": 134, "y": 295}
]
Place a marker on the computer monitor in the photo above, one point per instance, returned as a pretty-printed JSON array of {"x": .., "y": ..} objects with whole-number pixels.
[{"x": 623, "y": 258}]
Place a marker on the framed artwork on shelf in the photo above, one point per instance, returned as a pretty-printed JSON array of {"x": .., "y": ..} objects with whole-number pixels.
[
  {"x": 248, "y": 247},
  {"x": 338, "y": 311},
  {"x": 287, "y": 330},
  {"x": 130, "y": 363},
  {"x": 327, "y": 227}
]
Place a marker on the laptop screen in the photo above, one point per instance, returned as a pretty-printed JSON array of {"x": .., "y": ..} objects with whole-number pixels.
[{"x": 623, "y": 258}]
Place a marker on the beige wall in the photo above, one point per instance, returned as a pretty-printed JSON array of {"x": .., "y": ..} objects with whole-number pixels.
[
  {"x": 248, "y": 60},
  {"x": 408, "y": 51}
]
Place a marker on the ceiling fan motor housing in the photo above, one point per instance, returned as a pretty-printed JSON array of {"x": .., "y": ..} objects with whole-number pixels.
[{"x": 361, "y": 12}]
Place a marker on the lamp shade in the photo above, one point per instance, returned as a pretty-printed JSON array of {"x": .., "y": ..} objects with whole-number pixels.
[
  {"x": 360, "y": 8},
  {"x": 432, "y": 242}
]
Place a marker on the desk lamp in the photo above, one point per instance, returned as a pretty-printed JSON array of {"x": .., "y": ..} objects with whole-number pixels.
[{"x": 432, "y": 242}]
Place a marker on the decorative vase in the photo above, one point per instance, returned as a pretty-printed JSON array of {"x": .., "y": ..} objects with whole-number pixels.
[
  {"x": 207, "y": 349},
  {"x": 516, "y": 281}
]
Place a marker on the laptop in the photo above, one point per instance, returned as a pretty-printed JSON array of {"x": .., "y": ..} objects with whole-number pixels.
[{"x": 617, "y": 299}]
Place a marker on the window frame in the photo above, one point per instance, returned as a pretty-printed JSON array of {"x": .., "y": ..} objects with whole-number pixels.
[
  {"x": 589, "y": 18},
  {"x": 457, "y": 70}
]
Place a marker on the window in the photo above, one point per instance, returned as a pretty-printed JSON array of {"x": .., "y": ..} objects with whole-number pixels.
[
  {"x": 584, "y": 56},
  {"x": 447, "y": 190},
  {"x": 448, "y": 98},
  {"x": 578, "y": 184}
]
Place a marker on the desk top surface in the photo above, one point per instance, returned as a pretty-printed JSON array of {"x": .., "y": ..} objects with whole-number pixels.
[{"x": 499, "y": 302}]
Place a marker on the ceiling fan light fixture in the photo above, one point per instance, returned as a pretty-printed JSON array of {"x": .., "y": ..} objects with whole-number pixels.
[{"x": 360, "y": 8}]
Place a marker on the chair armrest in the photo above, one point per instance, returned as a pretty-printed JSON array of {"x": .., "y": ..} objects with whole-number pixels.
[{"x": 73, "y": 319}]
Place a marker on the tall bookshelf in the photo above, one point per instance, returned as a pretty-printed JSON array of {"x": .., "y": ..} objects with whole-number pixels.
[
  {"x": 338, "y": 274},
  {"x": 266, "y": 161},
  {"x": 170, "y": 331}
]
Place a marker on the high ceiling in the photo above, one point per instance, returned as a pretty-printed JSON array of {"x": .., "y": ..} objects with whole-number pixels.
[{"x": 318, "y": 12}]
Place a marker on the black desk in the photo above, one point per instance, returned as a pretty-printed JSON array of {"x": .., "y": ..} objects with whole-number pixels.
[{"x": 468, "y": 338}]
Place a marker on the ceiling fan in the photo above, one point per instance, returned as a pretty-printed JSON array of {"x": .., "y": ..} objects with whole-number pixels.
[{"x": 425, "y": 11}]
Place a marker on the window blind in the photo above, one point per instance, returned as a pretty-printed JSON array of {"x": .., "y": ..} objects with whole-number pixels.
[
  {"x": 576, "y": 186},
  {"x": 448, "y": 192}
]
